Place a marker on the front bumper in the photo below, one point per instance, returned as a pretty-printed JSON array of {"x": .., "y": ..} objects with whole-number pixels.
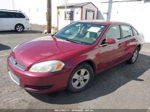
[{"x": 40, "y": 82}]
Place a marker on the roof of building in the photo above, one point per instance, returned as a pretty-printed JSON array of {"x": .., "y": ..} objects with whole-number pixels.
[{"x": 75, "y": 4}]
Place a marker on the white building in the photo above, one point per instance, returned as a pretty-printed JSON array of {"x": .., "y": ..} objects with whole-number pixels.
[
  {"x": 75, "y": 12},
  {"x": 36, "y": 9},
  {"x": 135, "y": 12}
]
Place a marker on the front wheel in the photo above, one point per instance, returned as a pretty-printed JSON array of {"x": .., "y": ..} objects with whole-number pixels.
[
  {"x": 80, "y": 78},
  {"x": 134, "y": 56}
]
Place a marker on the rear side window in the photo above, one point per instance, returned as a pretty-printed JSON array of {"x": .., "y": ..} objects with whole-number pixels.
[
  {"x": 126, "y": 31},
  {"x": 114, "y": 32},
  {"x": 135, "y": 32}
]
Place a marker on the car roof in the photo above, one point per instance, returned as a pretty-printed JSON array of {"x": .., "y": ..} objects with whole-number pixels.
[
  {"x": 103, "y": 22},
  {"x": 7, "y": 10}
]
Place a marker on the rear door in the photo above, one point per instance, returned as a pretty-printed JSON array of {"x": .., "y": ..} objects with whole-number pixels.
[
  {"x": 128, "y": 40},
  {"x": 110, "y": 54}
]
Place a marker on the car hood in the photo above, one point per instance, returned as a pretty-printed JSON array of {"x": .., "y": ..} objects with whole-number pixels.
[{"x": 43, "y": 49}]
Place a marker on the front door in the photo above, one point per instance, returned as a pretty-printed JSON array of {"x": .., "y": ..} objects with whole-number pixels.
[
  {"x": 7, "y": 21},
  {"x": 2, "y": 21},
  {"x": 110, "y": 54}
]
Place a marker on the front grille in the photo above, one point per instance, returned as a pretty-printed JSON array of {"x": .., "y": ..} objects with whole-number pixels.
[{"x": 16, "y": 64}]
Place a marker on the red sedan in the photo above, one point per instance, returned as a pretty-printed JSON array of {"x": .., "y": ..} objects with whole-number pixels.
[{"x": 73, "y": 56}]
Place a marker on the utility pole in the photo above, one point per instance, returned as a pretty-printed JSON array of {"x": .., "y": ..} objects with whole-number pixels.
[
  {"x": 109, "y": 10},
  {"x": 13, "y": 4},
  {"x": 49, "y": 16}
]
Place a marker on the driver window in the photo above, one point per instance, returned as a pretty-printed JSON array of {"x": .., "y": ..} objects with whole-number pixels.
[{"x": 114, "y": 32}]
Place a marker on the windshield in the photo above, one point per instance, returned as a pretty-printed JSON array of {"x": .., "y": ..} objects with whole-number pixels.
[{"x": 82, "y": 33}]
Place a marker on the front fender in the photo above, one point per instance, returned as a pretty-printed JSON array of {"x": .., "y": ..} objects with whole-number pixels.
[{"x": 78, "y": 60}]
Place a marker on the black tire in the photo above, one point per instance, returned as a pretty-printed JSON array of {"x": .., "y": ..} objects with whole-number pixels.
[
  {"x": 19, "y": 28},
  {"x": 134, "y": 56},
  {"x": 88, "y": 74}
]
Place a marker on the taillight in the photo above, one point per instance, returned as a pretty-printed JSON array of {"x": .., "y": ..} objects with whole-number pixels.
[{"x": 27, "y": 19}]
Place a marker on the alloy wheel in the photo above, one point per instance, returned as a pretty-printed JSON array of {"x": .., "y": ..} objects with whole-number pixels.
[
  {"x": 135, "y": 55},
  {"x": 80, "y": 78},
  {"x": 19, "y": 28}
]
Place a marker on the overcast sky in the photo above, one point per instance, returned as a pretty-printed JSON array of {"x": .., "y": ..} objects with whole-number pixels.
[{"x": 5, "y": 4}]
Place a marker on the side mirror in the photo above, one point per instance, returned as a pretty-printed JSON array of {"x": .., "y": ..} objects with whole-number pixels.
[{"x": 110, "y": 41}]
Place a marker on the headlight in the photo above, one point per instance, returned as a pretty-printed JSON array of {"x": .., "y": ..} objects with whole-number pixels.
[{"x": 47, "y": 66}]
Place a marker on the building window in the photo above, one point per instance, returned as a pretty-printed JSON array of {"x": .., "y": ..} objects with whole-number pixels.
[{"x": 68, "y": 15}]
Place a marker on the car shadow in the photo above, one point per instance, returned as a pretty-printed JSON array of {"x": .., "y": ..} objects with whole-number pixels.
[
  {"x": 25, "y": 32},
  {"x": 4, "y": 47},
  {"x": 105, "y": 83}
]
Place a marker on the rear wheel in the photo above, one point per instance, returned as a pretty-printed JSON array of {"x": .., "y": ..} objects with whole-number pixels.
[
  {"x": 19, "y": 28},
  {"x": 80, "y": 78},
  {"x": 134, "y": 57}
]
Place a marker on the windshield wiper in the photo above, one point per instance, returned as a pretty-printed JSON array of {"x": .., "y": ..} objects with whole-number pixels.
[
  {"x": 74, "y": 41},
  {"x": 70, "y": 40}
]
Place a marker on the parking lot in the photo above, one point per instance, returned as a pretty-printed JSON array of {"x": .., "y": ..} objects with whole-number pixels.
[{"x": 121, "y": 87}]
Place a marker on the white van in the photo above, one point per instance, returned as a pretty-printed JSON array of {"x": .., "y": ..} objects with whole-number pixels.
[{"x": 13, "y": 20}]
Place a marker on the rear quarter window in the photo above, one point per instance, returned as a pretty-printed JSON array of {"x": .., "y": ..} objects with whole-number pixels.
[
  {"x": 135, "y": 32},
  {"x": 19, "y": 15}
]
